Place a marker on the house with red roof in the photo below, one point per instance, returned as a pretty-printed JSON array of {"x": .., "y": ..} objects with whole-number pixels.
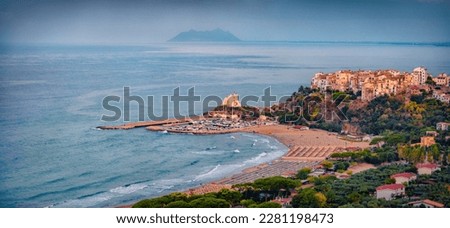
[
  {"x": 401, "y": 178},
  {"x": 389, "y": 191},
  {"x": 426, "y": 203},
  {"x": 426, "y": 168}
]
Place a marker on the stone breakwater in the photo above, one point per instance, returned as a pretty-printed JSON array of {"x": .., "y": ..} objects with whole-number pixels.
[{"x": 140, "y": 124}]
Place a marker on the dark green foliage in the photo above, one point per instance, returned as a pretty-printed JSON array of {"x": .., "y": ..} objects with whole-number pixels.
[
  {"x": 430, "y": 81},
  {"x": 275, "y": 183},
  {"x": 303, "y": 173},
  {"x": 178, "y": 204},
  {"x": 266, "y": 205},
  {"x": 355, "y": 156},
  {"x": 341, "y": 166},
  {"x": 224, "y": 198},
  {"x": 328, "y": 126},
  {"x": 309, "y": 198},
  {"x": 247, "y": 202},
  {"x": 209, "y": 202},
  {"x": 396, "y": 138},
  {"x": 234, "y": 197},
  {"x": 417, "y": 98},
  {"x": 153, "y": 203}
]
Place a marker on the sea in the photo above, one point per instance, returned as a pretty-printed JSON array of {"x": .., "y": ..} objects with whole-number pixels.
[{"x": 51, "y": 101}]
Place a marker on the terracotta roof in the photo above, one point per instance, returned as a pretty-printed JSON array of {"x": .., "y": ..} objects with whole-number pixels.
[
  {"x": 390, "y": 186},
  {"x": 429, "y": 202},
  {"x": 405, "y": 175},
  {"x": 426, "y": 165},
  {"x": 433, "y": 203}
]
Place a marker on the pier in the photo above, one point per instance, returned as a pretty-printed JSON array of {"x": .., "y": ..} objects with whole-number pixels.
[{"x": 132, "y": 125}]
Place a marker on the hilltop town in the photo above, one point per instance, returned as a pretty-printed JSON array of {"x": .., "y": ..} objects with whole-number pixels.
[{"x": 371, "y": 84}]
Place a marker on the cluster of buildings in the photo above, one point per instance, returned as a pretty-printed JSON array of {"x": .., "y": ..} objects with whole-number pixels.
[
  {"x": 372, "y": 84},
  {"x": 392, "y": 191},
  {"x": 441, "y": 95},
  {"x": 429, "y": 138}
]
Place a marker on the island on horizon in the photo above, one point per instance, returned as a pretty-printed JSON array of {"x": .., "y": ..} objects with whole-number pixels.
[{"x": 216, "y": 35}]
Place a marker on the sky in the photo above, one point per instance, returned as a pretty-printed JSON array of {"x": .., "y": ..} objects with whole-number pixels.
[{"x": 140, "y": 21}]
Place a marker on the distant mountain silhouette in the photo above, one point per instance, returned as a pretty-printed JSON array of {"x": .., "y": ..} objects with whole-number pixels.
[{"x": 216, "y": 35}]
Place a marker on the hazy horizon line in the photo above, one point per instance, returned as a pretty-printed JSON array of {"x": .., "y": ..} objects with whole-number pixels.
[{"x": 405, "y": 43}]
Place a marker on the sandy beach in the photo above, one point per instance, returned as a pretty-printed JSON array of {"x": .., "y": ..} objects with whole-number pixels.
[
  {"x": 307, "y": 148},
  {"x": 295, "y": 137}
]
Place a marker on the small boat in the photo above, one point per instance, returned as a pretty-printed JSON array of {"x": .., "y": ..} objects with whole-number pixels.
[
  {"x": 211, "y": 148},
  {"x": 236, "y": 151},
  {"x": 232, "y": 137}
]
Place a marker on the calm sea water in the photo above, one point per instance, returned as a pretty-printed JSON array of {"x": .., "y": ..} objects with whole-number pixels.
[{"x": 50, "y": 103}]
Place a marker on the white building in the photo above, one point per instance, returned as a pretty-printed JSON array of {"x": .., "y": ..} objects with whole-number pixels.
[
  {"x": 320, "y": 81},
  {"x": 442, "y": 126},
  {"x": 389, "y": 191},
  {"x": 401, "y": 178},
  {"x": 419, "y": 75},
  {"x": 426, "y": 168},
  {"x": 427, "y": 204},
  {"x": 443, "y": 97},
  {"x": 232, "y": 100},
  {"x": 442, "y": 80}
]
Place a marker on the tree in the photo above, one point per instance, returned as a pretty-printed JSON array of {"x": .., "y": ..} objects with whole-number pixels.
[
  {"x": 234, "y": 197},
  {"x": 300, "y": 89},
  {"x": 389, "y": 181},
  {"x": 327, "y": 164},
  {"x": 178, "y": 204},
  {"x": 434, "y": 152},
  {"x": 209, "y": 202},
  {"x": 266, "y": 205},
  {"x": 161, "y": 201},
  {"x": 303, "y": 173},
  {"x": 247, "y": 202},
  {"x": 417, "y": 98},
  {"x": 309, "y": 198},
  {"x": 430, "y": 81},
  {"x": 395, "y": 139},
  {"x": 321, "y": 199},
  {"x": 372, "y": 204},
  {"x": 275, "y": 183},
  {"x": 152, "y": 203},
  {"x": 355, "y": 197},
  {"x": 341, "y": 166}
]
